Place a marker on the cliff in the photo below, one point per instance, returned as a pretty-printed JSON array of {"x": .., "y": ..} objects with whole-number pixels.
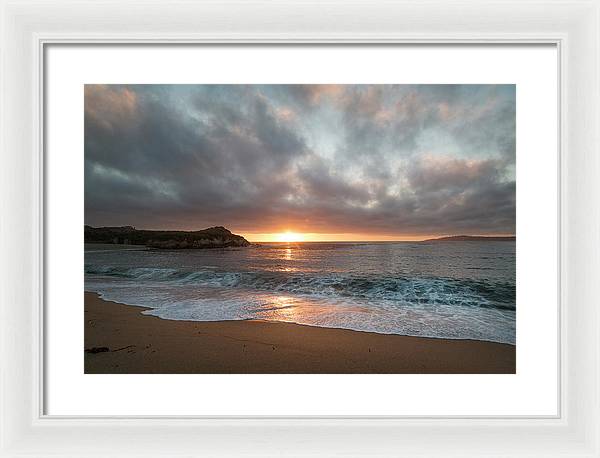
[{"x": 213, "y": 237}]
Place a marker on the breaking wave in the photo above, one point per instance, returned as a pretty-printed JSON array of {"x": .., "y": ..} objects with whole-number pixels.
[{"x": 404, "y": 291}]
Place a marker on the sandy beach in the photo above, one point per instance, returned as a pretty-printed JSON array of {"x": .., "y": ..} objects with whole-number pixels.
[{"x": 120, "y": 339}]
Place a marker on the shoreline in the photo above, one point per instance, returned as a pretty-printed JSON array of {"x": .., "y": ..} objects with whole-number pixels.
[
  {"x": 144, "y": 308},
  {"x": 120, "y": 339}
]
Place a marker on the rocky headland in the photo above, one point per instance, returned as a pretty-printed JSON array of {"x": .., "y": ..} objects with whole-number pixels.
[
  {"x": 473, "y": 238},
  {"x": 213, "y": 237}
]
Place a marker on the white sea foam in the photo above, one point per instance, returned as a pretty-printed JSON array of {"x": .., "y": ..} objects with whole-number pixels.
[{"x": 319, "y": 287}]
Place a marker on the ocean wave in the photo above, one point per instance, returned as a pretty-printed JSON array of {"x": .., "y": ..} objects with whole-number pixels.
[{"x": 405, "y": 291}]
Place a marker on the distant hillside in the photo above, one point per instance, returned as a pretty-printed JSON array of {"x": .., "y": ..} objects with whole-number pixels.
[
  {"x": 472, "y": 238},
  {"x": 213, "y": 237}
]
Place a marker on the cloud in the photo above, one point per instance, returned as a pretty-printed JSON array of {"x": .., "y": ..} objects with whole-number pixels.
[
  {"x": 313, "y": 94},
  {"x": 317, "y": 158},
  {"x": 108, "y": 106},
  {"x": 449, "y": 174}
]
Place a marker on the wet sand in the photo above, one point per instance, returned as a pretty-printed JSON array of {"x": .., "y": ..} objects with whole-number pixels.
[{"x": 120, "y": 339}]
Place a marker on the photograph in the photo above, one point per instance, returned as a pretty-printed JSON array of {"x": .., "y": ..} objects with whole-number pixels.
[{"x": 299, "y": 228}]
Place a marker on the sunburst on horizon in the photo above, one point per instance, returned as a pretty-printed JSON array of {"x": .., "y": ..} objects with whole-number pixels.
[{"x": 289, "y": 236}]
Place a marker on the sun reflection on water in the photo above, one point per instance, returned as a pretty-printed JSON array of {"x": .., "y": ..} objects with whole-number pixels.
[{"x": 280, "y": 308}]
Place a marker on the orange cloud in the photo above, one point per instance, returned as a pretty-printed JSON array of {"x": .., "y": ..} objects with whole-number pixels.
[{"x": 109, "y": 105}]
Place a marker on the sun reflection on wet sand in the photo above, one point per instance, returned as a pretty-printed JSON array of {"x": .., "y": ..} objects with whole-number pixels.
[
  {"x": 303, "y": 310},
  {"x": 286, "y": 308},
  {"x": 280, "y": 308}
]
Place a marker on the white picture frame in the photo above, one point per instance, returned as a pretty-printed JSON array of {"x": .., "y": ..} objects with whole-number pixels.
[{"x": 27, "y": 27}]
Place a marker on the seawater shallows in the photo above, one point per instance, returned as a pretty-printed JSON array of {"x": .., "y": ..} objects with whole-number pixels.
[{"x": 460, "y": 290}]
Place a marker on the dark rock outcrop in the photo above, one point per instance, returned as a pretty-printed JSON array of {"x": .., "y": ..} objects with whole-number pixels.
[
  {"x": 94, "y": 350},
  {"x": 213, "y": 237}
]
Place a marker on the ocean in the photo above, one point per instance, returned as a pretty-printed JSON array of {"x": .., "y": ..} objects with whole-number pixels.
[{"x": 456, "y": 290}]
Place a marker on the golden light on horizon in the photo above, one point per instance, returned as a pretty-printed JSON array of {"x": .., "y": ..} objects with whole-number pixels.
[
  {"x": 289, "y": 236},
  {"x": 298, "y": 237},
  {"x": 293, "y": 237}
]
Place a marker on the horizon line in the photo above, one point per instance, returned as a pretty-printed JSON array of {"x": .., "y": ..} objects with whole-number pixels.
[
  {"x": 380, "y": 241},
  {"x": 273, "y": 237}
]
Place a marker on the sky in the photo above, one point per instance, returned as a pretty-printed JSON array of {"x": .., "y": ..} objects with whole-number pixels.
[{"x": 325, "y": 162}]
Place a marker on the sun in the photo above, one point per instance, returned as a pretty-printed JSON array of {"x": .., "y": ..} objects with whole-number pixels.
[{"x": 289, "y": 236}]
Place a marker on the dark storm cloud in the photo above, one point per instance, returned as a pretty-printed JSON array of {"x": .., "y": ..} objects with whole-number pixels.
[{"x": 317, "y": 158}]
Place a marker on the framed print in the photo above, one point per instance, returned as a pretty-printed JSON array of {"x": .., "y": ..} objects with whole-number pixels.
[{"x": 241, "y": 221}]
